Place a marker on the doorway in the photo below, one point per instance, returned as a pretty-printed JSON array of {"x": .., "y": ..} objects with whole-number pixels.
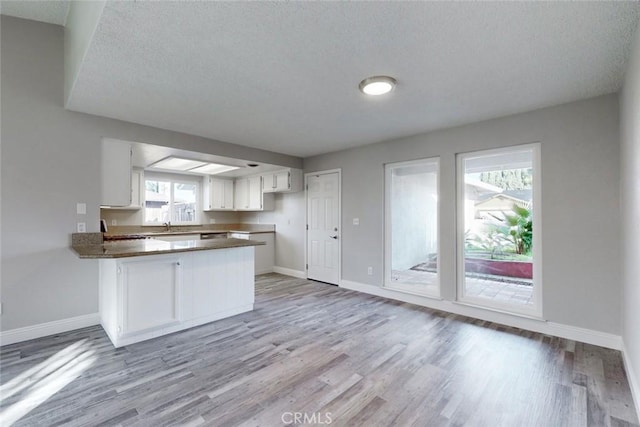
[
  {"x": 323, "y": 226},
  {"x": 499, "y": 258}
]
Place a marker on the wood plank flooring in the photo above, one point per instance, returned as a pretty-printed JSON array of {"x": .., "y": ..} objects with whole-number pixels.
[{"x": 312, "y": 353}]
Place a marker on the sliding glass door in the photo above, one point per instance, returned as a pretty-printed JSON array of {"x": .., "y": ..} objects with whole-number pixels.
[
  {"x": 411, "y": 226},
  {"x": 498, "y": 228}
]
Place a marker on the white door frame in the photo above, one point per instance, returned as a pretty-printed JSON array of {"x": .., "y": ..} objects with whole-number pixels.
[
  {"x": 306, "y": 219},
  {"x": 536, "y": 311}
]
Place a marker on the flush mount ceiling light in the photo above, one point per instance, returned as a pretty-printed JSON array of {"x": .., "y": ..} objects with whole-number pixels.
[
  {"x": 194, "y": 166},
  {"x": 177, "y": 164},
  {"x": 377, "y": 85},
  {"x": 213, "y": 169}
]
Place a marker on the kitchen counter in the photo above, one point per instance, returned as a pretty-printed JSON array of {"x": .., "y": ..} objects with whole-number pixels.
[
  {"x": 133, "y": 248},
  {"x": 176, "y": 230}
]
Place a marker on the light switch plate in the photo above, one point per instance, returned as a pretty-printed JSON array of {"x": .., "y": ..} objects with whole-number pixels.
[
  {"x": 82, "y": 227},
  {"x": 356, "y": 221},
  {"x": 81, "y": 208}
]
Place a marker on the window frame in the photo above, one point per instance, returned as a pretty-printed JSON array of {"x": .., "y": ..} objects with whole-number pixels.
[
  {"x": 535, "y": 310},
  {"x": 174, "y": 179},
  {"x": 387, "y": 282}
]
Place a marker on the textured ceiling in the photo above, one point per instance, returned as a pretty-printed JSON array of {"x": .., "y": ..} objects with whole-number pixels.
[
  {"x": 284, "y": 76},
  {"x": 51, "y": 11}
]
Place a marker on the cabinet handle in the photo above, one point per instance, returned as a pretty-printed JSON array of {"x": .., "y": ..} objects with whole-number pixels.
[{"x": 178, "y": 263}]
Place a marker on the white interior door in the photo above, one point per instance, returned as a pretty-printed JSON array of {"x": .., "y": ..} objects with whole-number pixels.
[{"x": 323, "y": 227}]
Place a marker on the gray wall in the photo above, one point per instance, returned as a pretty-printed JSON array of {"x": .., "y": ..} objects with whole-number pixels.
[
  {"x": 580, "y": 203},
  {"x": 413, "y": 218},
  {"x": 630, "y": 191},
  {"x": 50, "y": 161},
  {"x": 289, "y": 217}
]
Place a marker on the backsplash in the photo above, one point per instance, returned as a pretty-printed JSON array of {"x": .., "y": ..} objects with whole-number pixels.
[
  {"x": 135, "y": 217},
  {"x": 134, "y": 229}
]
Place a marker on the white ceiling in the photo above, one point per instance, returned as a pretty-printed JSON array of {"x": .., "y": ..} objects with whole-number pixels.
[
  {"x": 51, "y": 11},
  {"x": 283, "y": 76}
]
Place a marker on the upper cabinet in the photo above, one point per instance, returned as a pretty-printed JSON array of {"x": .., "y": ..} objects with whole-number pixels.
[
  {"x": 249, "y": 196},
  {"x": 218, "y": 194},
  {"x": 284, "y": 181},
  {"x": 115, "y": 171},
  {"x": 137, "y": 189}
]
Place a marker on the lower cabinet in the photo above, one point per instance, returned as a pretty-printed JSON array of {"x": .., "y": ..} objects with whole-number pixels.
[
  {"x": 265, "y": 257},
  {"x": 149, "y": 296}
]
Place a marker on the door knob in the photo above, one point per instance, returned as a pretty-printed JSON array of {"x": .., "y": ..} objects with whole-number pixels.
[{"x": 334, "y": 237}]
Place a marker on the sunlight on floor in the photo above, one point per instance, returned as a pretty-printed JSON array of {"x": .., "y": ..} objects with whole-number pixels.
[{"x": 39, "y": 383}]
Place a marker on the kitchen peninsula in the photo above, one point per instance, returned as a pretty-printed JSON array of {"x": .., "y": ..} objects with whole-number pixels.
[{"x": 150, "y": 287}]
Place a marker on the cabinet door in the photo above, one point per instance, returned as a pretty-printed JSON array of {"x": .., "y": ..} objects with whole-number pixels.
[
  {"x": 268, "y": 183},
  {"x": 137, "y": 188},
  {"x": 265, "y": 254},
  {"x": 255, "y": 193},
  {"x": 241, "y": 194},
  {"x": 115, "y": 171},
  {"x": 217, "y": 193},
  {"x": 150, "y": 294},
  {"x": 228, "y": 194},
  {"x": 282, "y": 181}
]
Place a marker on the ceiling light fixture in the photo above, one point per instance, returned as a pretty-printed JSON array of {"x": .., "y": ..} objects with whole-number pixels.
[
  {"x": 191, "y": 166},
  {"x": 177, "y": 164},
  {"x": 213, "y": 169},
  {"x": 377, "y": 85}
]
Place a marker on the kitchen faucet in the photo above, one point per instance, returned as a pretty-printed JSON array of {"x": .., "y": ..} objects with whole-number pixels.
[{"x": 168, "y": 225}]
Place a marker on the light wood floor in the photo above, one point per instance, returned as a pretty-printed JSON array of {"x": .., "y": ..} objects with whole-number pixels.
[{"x": 313, "y": 348}]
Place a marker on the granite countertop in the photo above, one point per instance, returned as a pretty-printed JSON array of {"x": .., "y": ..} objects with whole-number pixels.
[{"x": 133, "y": 248}]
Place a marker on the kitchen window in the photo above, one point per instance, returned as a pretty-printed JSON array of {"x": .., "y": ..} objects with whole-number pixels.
[{"x": 170, "y": 200}]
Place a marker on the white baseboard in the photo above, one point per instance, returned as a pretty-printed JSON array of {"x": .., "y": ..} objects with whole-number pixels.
[
  {"x": 289, "y": 272},
  {"x": 634, "y": 385},
  {"x": 50, "y": 328},
  {"x": 588, "y": 336}
]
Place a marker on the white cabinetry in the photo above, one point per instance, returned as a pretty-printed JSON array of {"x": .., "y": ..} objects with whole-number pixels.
[
  {"x": 284, "y": 181},
  {"x": 265, "y": 254},
  {"x": 137, "y": 192},
  {"x": 249, "y": 195},
  {"x": 218, "y": 194},
  {"x": 148, "y": 296},
  {"x": 115, "y": 171},
  {"x": 137, "y": 189}
]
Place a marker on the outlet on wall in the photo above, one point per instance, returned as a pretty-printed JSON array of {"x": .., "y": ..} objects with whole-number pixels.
[
  {"x": 356, "y": 221},
  {"x": 370, "y": 271},
  {"x": 114, "y": 222},
  {"x": 82, "y": 227}
]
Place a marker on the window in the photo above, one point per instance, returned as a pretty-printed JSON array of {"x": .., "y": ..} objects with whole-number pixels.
[
  {"x": 411, "y": 226},
  {"x": 498, "y": 217},
  {"x": 170, "y": 200}
]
